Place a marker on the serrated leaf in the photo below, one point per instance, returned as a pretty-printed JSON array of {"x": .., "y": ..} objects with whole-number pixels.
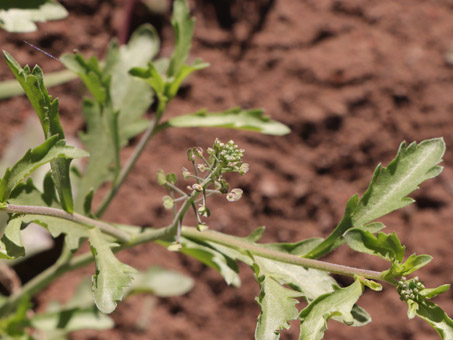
[
  {"x": 278, "y": 307},
  {"x": 390, "y": 186},
  {"x": 47, "y": 110},
  {"x": 338, "y": 303},
  {"x": 111, "y": 277},
  {"x": 386, "y": 246},
  {"x": 161, "y": 282},
  {"x": 50, "y": 150},
  {"x": 236, "y": 118},
  {"x": 437, "y": 318},
  {"x": 21, "y": 16}
]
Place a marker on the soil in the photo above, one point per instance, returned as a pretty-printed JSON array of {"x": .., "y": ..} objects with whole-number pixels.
[{"x": 352, "y": 79}]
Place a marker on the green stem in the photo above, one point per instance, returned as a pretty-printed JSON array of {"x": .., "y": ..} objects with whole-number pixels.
[
  {"x": 235, "y": 243},
  {"x": 74, "y": 217},
  {"x": 149, "y": 132}
]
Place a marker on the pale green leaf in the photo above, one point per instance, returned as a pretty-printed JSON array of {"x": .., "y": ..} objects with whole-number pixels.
[
  {"x": 430, "y": 293},
  {"x": 337, "y": 304},
  {"x": 390, "y": 186},
  {"x": 22, "y": 15},
  {"x": 310, "y": 282},
  {"x": 185, "y": 71},
  {"x": 11, "y": 245},
  {"x": 387, "y": 246},
  {"x": 183, "y": 26},
  {"x": 69, "y": 320},
  {"x": 211, "y": 257},
  {"x": 50, "y": 150},
  {"x": 236, "y": 118},
  {"x": 161, "y": 282},
  {"x": 278, "y": 307},
  {"x": 437, "y": 318},
  {"x": 111, "y": 277}
]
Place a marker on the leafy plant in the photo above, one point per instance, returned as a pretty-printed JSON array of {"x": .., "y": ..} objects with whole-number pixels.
[{"x": 123, "y": 88}]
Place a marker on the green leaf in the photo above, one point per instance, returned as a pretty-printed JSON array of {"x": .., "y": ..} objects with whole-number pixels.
[
  {"x": 11, "y": 246},
  {"x": 437, "y": 318},
  {"x": 278, "y": 307},
  {"x": 204, "y": 253},
  {"x": 236, "y": 118},
  {"x": 111, "y": 276},
  {"x": 130, "y": 96},
  {"x": 69, "y": 320},
  {"x": 98, "y": 140},
  {"x": 310, "y": 282},
  {"x": 413, "y": 263},
  {"x": 337, "y": 304},
  {"x": 161, "y": 282},
  {"x": 186, "y": 70},
  {"x": 21, "y": 15},
  {"x": 183, "y": 26},
  {"x": 50, "y": 150},
  {"x": 299, "y": 248},
  {"x": 47, "y": 110},
  {"x": 429, "y": 293},
  {"x": 390, "y": 186},
  {"x": 387, "y": 246}
]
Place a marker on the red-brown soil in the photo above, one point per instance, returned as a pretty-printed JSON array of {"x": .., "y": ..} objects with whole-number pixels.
[{"x": 351, "y": 78}]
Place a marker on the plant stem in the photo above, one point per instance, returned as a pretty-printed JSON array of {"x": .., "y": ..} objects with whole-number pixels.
[
  {"x": 236, "y": 243},
  {"x": 149, "y": 132},
  {"x": 75, "y": 217}
]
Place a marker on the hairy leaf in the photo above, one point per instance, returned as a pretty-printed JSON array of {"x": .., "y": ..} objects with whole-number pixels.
[
  {"x": 390, "y": 186},
  {"x": 278, "y": 307},
  {"x": 337, "y": 304},
  {"x": 161, "y": 282},
  {"x": 429, "y": 293},
  {"x": 111, "y": 276},
  {"x": 21, "y": 15},
  {"x": 11, "y": 245},
  {"x": 236, "y": 118},
  {"x": 387, "y": 246},
  {"x": 413, "y": 263}
]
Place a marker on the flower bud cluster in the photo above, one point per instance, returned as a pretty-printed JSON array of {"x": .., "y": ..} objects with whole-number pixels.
[
  {"x": 410, "y": 289},
  {"x": 229, "y": 156}
]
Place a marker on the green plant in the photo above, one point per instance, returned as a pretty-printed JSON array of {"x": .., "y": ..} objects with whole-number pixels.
[{"x": 123, "y": 87}]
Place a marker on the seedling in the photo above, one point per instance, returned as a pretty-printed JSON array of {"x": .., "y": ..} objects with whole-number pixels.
[{"x": 123, "y": 88}]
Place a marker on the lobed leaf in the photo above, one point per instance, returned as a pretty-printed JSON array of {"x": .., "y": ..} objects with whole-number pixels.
[
  {"x": 337, "y": 304},
  {"x": 21, "y": 16},
  {"x": 387, "y": 246},
  {"x": 278, "y": 307},
  {"x": 390, "y": 186},
  {"x": 11, "y": 245},
  {"x": 47, "y": 110},
  {"x": 111, "y": 276},
  {"x": 236, "y": 118}
]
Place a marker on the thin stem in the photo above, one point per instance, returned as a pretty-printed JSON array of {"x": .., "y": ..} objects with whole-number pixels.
[
  {"x": 75, "y": 217},
  {"x": 149, "y": 132},
  {"x": 258, "y": 250}
]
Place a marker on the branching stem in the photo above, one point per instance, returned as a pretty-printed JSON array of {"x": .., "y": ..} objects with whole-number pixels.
[{"x": 75, "y": 217}]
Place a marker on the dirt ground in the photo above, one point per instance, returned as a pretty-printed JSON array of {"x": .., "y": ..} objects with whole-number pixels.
[{"x": 352, "y": 79}]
